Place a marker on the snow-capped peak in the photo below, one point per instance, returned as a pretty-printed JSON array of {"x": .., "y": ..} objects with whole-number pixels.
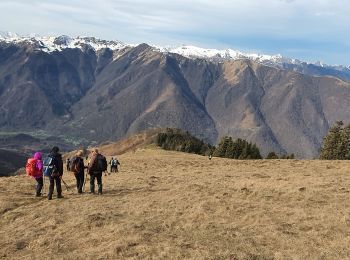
[
  {"x": 227, "y": 54},
  {"x": 52, "y": 43},
  {"x": 8, "y": 35}
]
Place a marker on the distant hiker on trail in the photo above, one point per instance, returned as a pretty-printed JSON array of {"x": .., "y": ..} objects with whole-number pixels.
[
  {"x": 68, "y": 164},
  {"x": 77, "y": 166},
  {"x": 53, "y": 168},
  {"x": 97, "y": 165},
  {"x": 111, "y": 163},
  {"x": 34, "y": 168},
  {"x": 209, "y": 157},
  {"x": 115, "y": 164}
]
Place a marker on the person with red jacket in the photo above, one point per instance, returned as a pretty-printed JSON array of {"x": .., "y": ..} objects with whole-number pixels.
[
  {"x": 39, "y": 174},
  {"x": 34, "y": 169}
]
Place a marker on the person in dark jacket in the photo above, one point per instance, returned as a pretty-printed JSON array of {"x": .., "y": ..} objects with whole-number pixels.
[
  {"x": 78, "y": 168},
  {"x": 56, "y": 174},
  {"x": 95, "y": 172},
  {"x": 111, "y": 163},
  {"x": 68, "y": 164}
]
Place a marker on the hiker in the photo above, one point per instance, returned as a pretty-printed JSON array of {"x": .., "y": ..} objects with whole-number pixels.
[
  {"x": 97, "y": 165},
  {"x": 57, "y": 172},
  {"x": 111, "y": 163},
  {"x": 34, "y": 168},
  {"x": 115, "y": 164},
  {"x": 77, "y": 166},
  {"x": 209, "y": 157},
  {"x": 68, "y": 164}
]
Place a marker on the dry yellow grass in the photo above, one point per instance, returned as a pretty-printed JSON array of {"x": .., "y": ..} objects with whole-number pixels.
[{"x": 168, "y": 205}]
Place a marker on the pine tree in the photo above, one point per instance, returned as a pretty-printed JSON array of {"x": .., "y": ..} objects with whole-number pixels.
[
  {"x": 222, "y": 147},
  {"x": 239, "y": 146},
  {"x": 332, "y": 148},
  {"x": 230, "y": 148},
  {"x": 255, "y": 152},
  {"x": 272, "y": 155},
  {"x": 345, "y": 146}
]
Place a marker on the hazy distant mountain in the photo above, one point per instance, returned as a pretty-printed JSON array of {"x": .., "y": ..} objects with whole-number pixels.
[{"x": 97, "y": 90}]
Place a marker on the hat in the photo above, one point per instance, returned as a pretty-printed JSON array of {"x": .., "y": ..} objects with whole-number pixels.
[
  {"x": 37, "y": 155},
  {"x": 55, "y": 149}
]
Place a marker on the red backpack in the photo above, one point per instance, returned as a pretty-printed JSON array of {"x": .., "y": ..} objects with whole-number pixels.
[{"x": 31, "y": 169}]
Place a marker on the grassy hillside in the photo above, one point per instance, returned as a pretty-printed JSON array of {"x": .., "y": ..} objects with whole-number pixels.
[{"x": 169, "y": 205}]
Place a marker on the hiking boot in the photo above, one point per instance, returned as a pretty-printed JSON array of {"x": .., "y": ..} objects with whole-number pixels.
[
  {"x": 49, "y": 198},
  {"x": 38, "y": 195},
  {"x": 100, "y": 193},
  {"x": 59, "y": 196}
]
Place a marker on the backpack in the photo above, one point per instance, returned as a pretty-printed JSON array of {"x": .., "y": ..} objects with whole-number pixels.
[
  {"x": 101, "y": 164},
  {"x": 113, "y": 162},
  {"x": 31, "y": 169},
  {"x": 48, "y": 166},
  {"x": 75, "y": 165}
]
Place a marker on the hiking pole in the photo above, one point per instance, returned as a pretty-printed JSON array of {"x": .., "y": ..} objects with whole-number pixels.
[
  {"x": 84, "y": 182},
  {"x": 43, "y": 184},
  {"x": 87, "y": 171},
  {"x": 65, "y": 184}
]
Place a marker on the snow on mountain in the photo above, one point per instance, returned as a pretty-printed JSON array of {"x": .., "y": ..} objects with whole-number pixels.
[
  {"x": 52, "y": 43},
  {"x": 5, "y": 35},
  {"x": 228, "y": 54}
]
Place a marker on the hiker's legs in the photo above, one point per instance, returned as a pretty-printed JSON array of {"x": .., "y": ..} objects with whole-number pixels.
[
  {"x": 58, "y": 186},
  {"x": 99, "y": 182},
  {"x": 76, "y": 175},
  {"x": 80, "y": 181},
  {"x": 39, "y": 185},
  {"x": 92, "y": 183},
  {"x": 51, "y": 187},
  {"x": 116, "y": 169}
]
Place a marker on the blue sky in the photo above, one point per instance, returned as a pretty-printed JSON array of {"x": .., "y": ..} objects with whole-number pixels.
[{"x": 310, "y": 30}]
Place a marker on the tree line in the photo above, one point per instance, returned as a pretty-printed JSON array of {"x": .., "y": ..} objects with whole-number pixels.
[
  {"x": 335, "y": 145},
  {"x": 178, "y": 140},
  {"x": 238, "y": 149}
]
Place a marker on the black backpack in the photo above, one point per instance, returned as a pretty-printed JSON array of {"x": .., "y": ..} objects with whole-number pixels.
[{"x": 101, "y": 164}]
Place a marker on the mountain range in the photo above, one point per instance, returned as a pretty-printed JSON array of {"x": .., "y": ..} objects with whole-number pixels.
[{"x": 88, "y": 91}]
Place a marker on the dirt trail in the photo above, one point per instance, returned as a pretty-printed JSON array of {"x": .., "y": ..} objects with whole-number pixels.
[{"x": 172, "y": 205}]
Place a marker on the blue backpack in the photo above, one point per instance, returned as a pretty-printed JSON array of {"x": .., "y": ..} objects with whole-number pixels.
[{"x": 48, "y": 166}]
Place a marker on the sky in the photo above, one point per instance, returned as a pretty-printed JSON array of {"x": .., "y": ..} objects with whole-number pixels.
[{"x": 309, "y": 30}]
